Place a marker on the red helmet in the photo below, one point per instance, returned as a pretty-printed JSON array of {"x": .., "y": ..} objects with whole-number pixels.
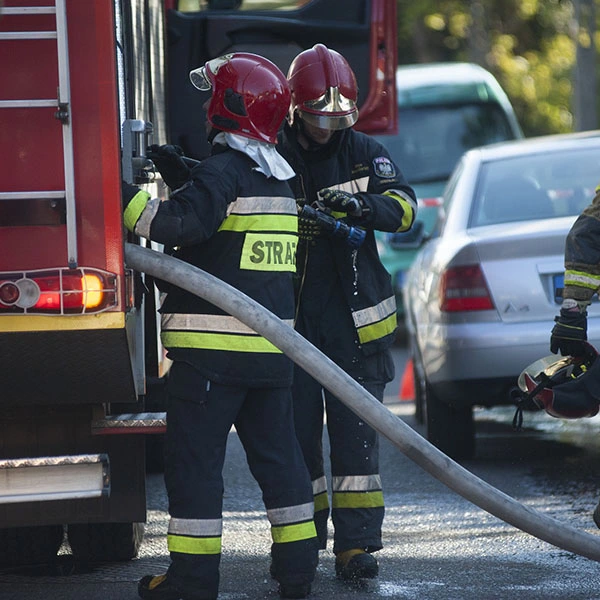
[
  {"x": 567, "y": 388},
  {"x": 324, "y": 90},
  {"x": 250, "y": 95}
]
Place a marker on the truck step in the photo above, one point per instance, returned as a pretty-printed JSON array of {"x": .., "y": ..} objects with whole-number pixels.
[
  {"x": 131, "y": 423},
  {"x": 46, "y": 478}
]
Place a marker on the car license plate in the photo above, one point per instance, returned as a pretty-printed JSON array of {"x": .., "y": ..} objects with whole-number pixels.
[{"x": 559, "y": 284}]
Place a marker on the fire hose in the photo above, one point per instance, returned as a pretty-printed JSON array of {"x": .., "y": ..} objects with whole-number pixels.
[{"x": 361, "y": 402}]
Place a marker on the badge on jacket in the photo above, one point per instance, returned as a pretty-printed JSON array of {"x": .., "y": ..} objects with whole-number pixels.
[{"x": 384, "y": 167}]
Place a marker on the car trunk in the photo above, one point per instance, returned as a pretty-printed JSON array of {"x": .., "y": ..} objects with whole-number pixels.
[{"x": 523, "y": 264}]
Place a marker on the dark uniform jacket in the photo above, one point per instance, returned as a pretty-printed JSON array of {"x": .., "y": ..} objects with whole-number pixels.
[
  {"x": 234, "y": 223},
  {"x": 358, "y": 164},
  {"x": 582, "y": 254}
]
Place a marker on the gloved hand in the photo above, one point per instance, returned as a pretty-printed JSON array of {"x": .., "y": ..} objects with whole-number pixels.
[
  {"x": 169, "y": 163},
  {"x": 342, "y": 202},
  {"x": 570, "y": 332},
  {"x": 128, "y": 191}
]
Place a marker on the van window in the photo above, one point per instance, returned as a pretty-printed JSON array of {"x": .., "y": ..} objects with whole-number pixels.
[{"x": 431, "y": 139}]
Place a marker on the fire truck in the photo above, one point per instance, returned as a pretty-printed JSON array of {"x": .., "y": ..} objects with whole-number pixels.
[{"x": 87, "y": 86}]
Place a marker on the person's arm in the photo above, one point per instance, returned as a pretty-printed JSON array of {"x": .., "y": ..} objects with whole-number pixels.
[
  {"x": 388, "y": 204},
  {"x": 582, "y": 280}
]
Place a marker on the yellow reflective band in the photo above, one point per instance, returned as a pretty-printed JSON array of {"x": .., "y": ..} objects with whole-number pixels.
[
  {"x": 582, "y": 279},
  {"x": 288, "y": 223},
  {"x": 293, "y": 533},
  {"x": 321, "y": 501},
  {"x": 135, "y": 209},
  {"x": 377, "y": 330},
  {"x": 358, "y": 499},
  {"x": 106, "y": 320},
  {"x": 217, "y": 341},
  {"x": 264, "y": 252},
  {"x": 192, "y": 545},
  {"x": 409, "y": 212}
]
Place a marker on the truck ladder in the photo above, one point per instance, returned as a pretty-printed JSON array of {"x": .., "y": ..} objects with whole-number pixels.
[{"x": 62, "y": 113}]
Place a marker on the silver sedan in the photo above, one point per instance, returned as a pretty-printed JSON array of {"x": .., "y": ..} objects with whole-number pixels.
[{"x": 481, "y": 298}]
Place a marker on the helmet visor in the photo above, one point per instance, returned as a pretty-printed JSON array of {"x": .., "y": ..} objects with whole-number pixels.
[
  {"x": 200, "y": 79},
  {"x": 332, "y": 110}
]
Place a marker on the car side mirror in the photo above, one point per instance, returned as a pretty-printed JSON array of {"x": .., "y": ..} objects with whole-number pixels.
[{"x": 415, "y": 237}]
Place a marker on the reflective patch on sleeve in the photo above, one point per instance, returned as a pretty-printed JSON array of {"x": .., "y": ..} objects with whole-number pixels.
[
  {"x": 135, "y": 209},
  {"x": 269, "y": 252}
]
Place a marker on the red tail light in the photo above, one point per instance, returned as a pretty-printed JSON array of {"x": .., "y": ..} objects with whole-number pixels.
[
  {"x": 58, "y": 291},
  {"x": 464, "y": 288}
]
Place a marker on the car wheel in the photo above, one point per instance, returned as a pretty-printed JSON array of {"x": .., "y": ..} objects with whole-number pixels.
[
  {"x": 451, "y": 430},
  {"x": 105, "y": 542}
]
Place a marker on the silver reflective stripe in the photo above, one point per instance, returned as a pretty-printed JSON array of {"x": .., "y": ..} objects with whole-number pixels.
[
  {"x": 376, "y": 313},
  {"x": 195, "y": 527},
  {"x": 276, "y": 205},
  {"x": 215, "y": 323},
  {"x": 319, "y": 486},
  {"x": 291, "y": 514},
  {"x": 353, "y": 186},
  {"x": 356, "y": 483},
  {"x": 142, "y": 227}
]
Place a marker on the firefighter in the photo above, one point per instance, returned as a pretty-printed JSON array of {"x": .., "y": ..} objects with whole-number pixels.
[
  {"x": 237, "y": 219},
  {"x": 582, "y": 281},
  {"x": 345, "y": 301}
]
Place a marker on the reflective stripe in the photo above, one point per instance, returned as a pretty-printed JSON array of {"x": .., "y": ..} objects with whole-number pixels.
[
  {"x": 204, "y": 322},
  {"x": 409, "y": 206},
  {"x": 260, "y": 222},
  {"x": 142, "y": 227},
  {"x": 293, "y": 533},
  {"x": 213, "y": 332},
  {"x": 356, "y": 483},
  {"x": 373, "y": 314},
  {"x": 134, "y": 209},
  {"x": 319, "y": 485},
  {"x": 217, "y": 341},
  {"x": 290, "y": 514},
  {"x": 376, "y": 321},
  {"x": 321, "y": 501},
  {"x": 582, "y": 279},
  {"x": 354, "y": 186},
  {"x": 196, "y": 527},
  {"x": 260, "y": 204},
  {"x": 358, "y": 499},
  {"x": 378, "y": 330},
  {"x": 193, "y": 545}
]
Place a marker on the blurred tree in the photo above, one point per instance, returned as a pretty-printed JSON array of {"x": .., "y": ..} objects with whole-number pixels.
[{"x": 530, "y": 45}]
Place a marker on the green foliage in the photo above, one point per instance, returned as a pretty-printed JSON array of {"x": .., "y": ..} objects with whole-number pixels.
[{"x": 528, "y": 45}]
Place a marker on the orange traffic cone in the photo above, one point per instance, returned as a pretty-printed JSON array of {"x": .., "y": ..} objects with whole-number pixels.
[{"x": 407, "y": 384}]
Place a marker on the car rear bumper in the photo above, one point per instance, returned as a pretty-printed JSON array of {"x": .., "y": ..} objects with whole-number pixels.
[{"x": 479, "y": 363}]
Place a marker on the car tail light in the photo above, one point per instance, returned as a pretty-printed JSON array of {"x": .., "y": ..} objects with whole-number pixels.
[
  {"x": 58, "y": 291},
  {"x": 464, "y": 288}
]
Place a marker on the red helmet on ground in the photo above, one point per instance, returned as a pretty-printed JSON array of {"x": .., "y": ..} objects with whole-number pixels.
[
  {"x": 250, "y": 95},
  {"x": 324, "y": 90},
  {"x": 567, "y": 388}
]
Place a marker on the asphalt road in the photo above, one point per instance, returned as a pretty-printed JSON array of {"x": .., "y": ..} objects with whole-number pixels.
[{"x": 437, "y": 544}]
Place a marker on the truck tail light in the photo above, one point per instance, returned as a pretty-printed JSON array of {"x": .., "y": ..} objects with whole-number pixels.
[
  {"x": 58, "y": 291},
  {"x": 464, "y": 288}
]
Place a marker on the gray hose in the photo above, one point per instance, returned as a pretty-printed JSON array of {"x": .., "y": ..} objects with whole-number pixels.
[{"x": 366, "y": 406}]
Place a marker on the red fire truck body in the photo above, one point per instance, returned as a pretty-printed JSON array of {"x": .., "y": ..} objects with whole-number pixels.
[{"x": 84, "y": 90}]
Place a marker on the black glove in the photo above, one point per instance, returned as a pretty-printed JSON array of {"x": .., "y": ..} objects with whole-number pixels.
[
  {"x": 169, "y": 162},
  {"x": 570, "y": 333},
  {"x": 342, "y": 202},
  {"x": 128, "y": 191}
]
